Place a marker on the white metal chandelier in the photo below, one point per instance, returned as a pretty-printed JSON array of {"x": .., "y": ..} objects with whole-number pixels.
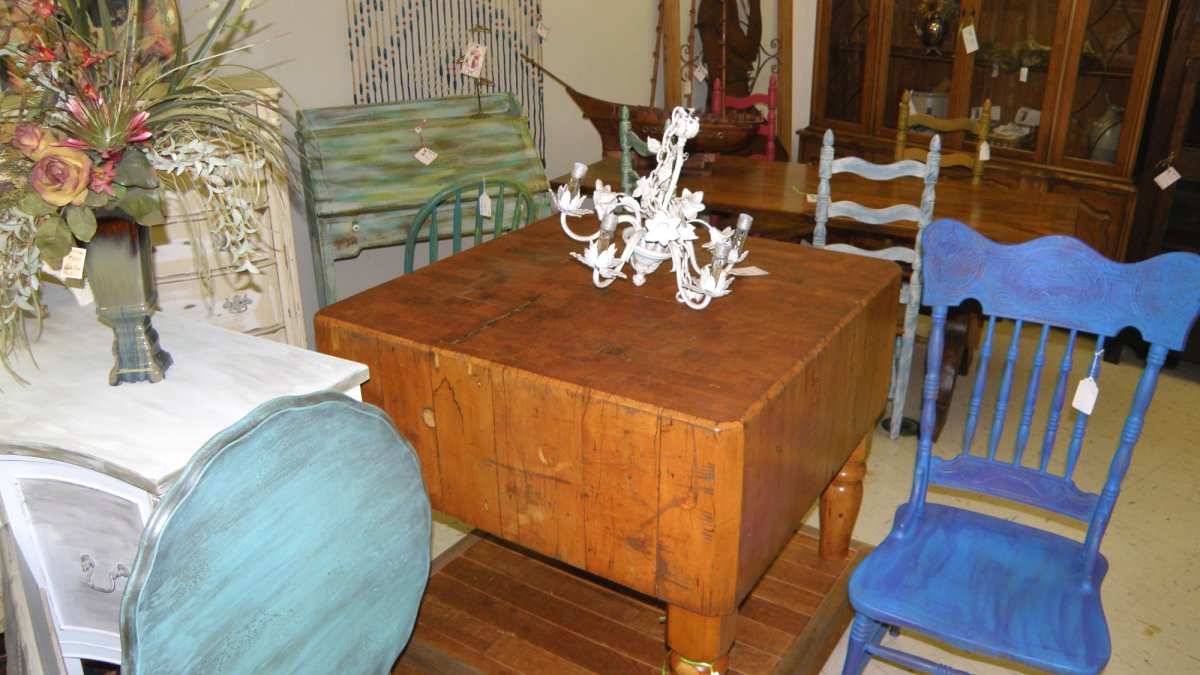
[{"x": 661, "y": 226}]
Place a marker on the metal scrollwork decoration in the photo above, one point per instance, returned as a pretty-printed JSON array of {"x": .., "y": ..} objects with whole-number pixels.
[
  {"x": 88, "y": 564},
  {"x": 661, "y": 226}
]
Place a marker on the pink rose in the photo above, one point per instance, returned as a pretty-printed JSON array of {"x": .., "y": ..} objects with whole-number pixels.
[
  {"x": 62, "y": 176},
  {"x": 30, "y": 140}
]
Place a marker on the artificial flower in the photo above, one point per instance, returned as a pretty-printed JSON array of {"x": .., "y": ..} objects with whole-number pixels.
[{"x": 62, "y": 176}]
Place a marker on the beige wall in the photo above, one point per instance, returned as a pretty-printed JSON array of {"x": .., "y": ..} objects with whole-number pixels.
[{"x": 602, "y": 47}]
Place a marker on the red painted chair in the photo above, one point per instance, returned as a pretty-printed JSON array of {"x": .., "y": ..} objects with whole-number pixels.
[{"x": 721, "y": 103}]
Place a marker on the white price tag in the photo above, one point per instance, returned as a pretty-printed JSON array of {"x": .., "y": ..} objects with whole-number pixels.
[
  {"x": 700, "y": 73},
  {"x": 995, "y": 70},
  {"x": 485, "y": 205},
  {"x": 970, "y": 40},
  {"x": 1085, "y": 396},
  {"x": 72, "y": 265},
  {"x": 1024, "y": 74},
  {"x": 543, "y": 30},
  {"x": 426, "y": 156},
  {"x": 751, "y": 271},
  {"x": 912, "y": 107},
  {"x": 985, "y": 151},
  {"x": 1167, "y": 178},
  {"x": 812, "y": 198}
]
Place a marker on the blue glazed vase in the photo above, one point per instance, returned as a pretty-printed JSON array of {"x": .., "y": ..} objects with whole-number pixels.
[{"x": 118, "y": 271}]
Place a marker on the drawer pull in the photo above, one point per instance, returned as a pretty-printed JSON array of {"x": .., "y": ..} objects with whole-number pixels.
[
  {"x": 89, "y": 567},
  {"x": 237, "y": 305}
]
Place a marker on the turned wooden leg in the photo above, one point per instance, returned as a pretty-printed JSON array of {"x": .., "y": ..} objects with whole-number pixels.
[
  {"x": 840, "y": 503},
  {"x": 699, "y": 644}
]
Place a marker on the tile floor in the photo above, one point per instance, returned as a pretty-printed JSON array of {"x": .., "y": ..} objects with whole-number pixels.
[{"x": 1152, "y": 593}]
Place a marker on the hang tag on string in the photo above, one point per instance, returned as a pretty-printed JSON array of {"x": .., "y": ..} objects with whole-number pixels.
[
  {"x": 1167, "y": 178},
  {"x": 425, "y": 155},
  {"x": 985, "y": 151},
  {"x": 970, "y": 40},
  {"x": 1088, "y": 391},
  {"x": 700, "y": 72},
  {"x": 72, "y": 265},
  {"x": 485, "y": 203},
  {"x": 543, "y": 30}
]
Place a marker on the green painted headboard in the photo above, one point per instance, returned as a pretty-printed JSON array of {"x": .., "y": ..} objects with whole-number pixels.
[{"x": 363, "y": 183}]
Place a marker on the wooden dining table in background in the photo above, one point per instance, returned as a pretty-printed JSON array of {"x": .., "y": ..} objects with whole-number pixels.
[
  {"x": 672, "y": 451},
  {"x": 778, "y": 194}
]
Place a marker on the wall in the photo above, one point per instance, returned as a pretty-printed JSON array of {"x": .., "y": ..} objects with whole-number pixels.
[{"x": 603, "y": 48}]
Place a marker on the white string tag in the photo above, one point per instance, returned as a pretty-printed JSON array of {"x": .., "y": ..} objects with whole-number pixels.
[
  {"x": 985, "y": 151},
  {"x": 485, "y": 205},
  {"x": 912, "y": 107},
  {"x": 1167, "y": 178},
  {"x": 1088, "y": 391},
  {"x": 543, "y": 30},
  {"x": 426, "y": 156},
  {"x": 72, "y": 265},
  {"x": 1023, "y": 75},
  {"x": 970, "y": 40},
  {"x": 700, "y": 73}
]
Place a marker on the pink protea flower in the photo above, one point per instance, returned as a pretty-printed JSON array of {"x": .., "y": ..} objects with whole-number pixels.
[
  {"x": 136, "y": 131},
  {"x": 102, "y": 178}
]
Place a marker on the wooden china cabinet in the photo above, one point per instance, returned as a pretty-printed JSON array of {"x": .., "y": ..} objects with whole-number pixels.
[{"x": 1069, "y": 82}]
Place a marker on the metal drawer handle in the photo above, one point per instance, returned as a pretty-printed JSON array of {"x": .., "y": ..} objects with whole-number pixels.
[
  {"x": 89, "y": 567},
  {"x": 237, "y": 305}
]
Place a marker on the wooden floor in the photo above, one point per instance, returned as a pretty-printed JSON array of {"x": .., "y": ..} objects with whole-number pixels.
[{"x": 493, "y": 608}]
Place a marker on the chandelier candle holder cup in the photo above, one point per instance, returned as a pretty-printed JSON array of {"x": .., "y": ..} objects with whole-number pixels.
[{"x": 659, "y": 225}]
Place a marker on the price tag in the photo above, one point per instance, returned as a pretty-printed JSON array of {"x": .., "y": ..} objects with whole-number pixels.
[
  {"x": 426, "y": 156},
  {"x": 1024, "y": 74},
  {"x": 543, "y": 30},
  {"x": 700, "y": 72},
  {"x": 72, "y": 265},
  {"x": 812, "y": 198},
  {"x": 1167, "y": 178},
  {"x": 985, "y": 151},
  {"x": 995, "y": 70},
  {"x": 912, "y": 107},
  {"x": 1085, "y": 396},
  {"x": 485, "y": 205},
  {"x": 472, "y": 63},
  {"x": 970, "y": 40}
]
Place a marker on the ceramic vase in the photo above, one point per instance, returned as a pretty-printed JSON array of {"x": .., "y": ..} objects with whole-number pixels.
[
  {"x": 1105, "y": 135},
  {"x": 118, "y": 271}
]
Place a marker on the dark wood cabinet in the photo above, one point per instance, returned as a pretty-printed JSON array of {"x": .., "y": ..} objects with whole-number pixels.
[{"x": 1069, "y": 82}]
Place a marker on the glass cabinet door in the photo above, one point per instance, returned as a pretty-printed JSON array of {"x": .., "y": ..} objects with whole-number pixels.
[
  {"x": 922, "y": 37},
  {"x": 1106, "y": 56},
  {"x": 845, "y": 61}
]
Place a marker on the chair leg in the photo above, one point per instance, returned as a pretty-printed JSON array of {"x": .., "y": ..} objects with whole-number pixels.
[{"x": 863, "y": 632}]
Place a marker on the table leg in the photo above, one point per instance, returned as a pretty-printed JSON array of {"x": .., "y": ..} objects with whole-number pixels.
[
  {"x": 840, "y": 503},
  {"x": 699, "y": 644}
]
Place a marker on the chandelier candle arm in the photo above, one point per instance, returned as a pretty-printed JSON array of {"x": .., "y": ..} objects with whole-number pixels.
[{"x": 660, "y": 226}]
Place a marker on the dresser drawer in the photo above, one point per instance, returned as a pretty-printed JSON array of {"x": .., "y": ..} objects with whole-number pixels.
[
  {"x": 238, "y": 301},
  {"x": 175, "y": 246}
]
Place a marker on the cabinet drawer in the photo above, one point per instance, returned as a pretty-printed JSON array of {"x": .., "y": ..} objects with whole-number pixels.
[
  {"x": 238, "y": 301},
  {"x": 175, "y": 246}
]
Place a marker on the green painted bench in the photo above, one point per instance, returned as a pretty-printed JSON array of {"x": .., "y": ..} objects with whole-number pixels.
[{"x": 363, "y": 182}]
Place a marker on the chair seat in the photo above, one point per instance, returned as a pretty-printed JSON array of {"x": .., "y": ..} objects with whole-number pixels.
[{"x": 988, "y": 585}]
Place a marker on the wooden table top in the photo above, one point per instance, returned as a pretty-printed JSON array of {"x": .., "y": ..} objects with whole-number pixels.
[
  {"x": 522, "y": 301},
  {"x": 765, "y": 191}
]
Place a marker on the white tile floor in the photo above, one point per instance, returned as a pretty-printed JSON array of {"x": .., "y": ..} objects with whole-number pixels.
[{"x": 1152, "y": 593}]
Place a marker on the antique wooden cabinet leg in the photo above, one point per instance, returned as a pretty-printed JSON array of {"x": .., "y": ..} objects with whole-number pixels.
[
  {"x": 840, "y": 503},
  {"x": 699, "y": 644}
]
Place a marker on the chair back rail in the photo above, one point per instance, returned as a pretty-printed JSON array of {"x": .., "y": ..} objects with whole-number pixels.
[
  {"x": 512, "y": 208},
  {"x": 981, "y": 128},
  {"x": 769, "y": 100}
]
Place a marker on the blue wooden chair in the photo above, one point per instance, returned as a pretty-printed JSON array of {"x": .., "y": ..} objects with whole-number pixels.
[
  {"x": 987, "y": 584},
  {"x": 296, "y": 540},
  {"x": 919, "y": 214},
  {"x": 512, "y": 208}
]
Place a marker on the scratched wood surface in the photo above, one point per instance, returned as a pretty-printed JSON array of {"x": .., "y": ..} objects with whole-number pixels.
[
  {"x": 492, "y": 608},
  {"x": 671, "y": 451},
  {"x": 765, "y": 190}
]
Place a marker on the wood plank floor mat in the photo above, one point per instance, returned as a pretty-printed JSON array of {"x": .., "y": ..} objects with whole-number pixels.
[{"x": 494, "y": 608}]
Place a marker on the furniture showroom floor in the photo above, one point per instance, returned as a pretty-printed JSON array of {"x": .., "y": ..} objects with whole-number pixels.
[{"x": 1151, "y": 596}]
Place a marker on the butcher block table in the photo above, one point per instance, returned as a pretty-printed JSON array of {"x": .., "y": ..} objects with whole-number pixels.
[{"x": 672, "y": 451}]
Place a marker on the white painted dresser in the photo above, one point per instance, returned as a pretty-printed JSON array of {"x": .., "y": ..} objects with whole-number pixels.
[
  {"x": 85, "y": 462},
  {"x": 186, "y": 257}
]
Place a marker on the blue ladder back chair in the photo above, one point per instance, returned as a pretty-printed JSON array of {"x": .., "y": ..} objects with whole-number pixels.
[
  {"x": 988, "y": 584},
  {"x": 919, "y": 214},
  {"x": 512, "y": 208},
  {"x": 296, "y": 540}
]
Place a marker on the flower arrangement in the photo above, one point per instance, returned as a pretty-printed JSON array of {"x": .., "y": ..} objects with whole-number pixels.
[
  {"x": 107, "y": 105},
  {"x": 944, "y": 9}
]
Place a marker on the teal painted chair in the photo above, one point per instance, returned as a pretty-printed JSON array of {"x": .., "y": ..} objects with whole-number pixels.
[
  {"x": 512, "y": 208},
  {"x": 630, "y": 144},
  {"x": 992, "y": 585},
  {"x": 919, "y": 214},
  {"x": 295, "y": 541}
]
